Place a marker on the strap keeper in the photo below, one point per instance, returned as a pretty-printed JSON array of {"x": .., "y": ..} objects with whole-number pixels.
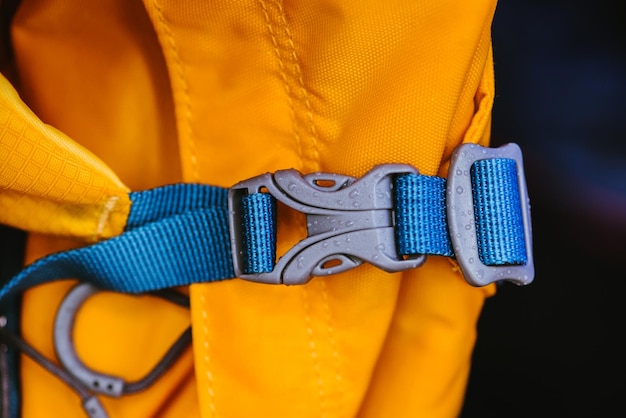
[{"x": 462, "y": 217}]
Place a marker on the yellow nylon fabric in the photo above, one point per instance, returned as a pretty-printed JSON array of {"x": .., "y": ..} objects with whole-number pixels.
[
  {"x": 216, "y": 92},
  {"x": 44, "y": 175}
]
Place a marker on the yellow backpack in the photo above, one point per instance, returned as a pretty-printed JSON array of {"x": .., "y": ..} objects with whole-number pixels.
[{"x": 104, "y": 99}]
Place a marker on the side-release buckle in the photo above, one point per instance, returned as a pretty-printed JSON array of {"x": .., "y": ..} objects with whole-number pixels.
[{"x": 348, "y": 221}]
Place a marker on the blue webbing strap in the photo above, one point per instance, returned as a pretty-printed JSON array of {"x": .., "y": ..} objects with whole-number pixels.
[
  {"x": 175, "y": 199},
  {"x": 259, "y": 232},
  {"x": 176, "y": 235},
  {"x": 499, "y": 225},
  {"x": 421, "y": 223}
]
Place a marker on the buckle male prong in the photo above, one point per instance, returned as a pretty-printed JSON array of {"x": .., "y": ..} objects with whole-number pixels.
[{"x": 349, "y": 221}]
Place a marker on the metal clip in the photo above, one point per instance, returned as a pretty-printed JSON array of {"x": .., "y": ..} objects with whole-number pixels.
[{"x": 349, "y": 221}]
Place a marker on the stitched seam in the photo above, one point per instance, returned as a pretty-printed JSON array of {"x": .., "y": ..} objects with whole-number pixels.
[
  {"x": 283, "y": 76},
  {"x": 105, "y": 214},
  {"x": 293, "y": 80},
  {"x": 482, "y": 112},
  {"x": 297, "y": 74},
  {"x": 206, "y": 357},
  {"x": 314, "y": 354},
  {"x": 333, "y": 344},
  {"x": 187, "y": 129}
]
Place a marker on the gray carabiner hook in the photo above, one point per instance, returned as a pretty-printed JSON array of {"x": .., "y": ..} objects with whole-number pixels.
[
  {"x": 64, "y": 344},
  {"x": 103, "y": 383}
]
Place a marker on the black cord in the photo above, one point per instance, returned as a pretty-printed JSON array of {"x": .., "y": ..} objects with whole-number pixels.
[
  {"x": 90, "y": 403},
  {"x": 179, "y": 346},
  {"x": 18, "y": 343},
  {"x": 173, "y": 296}
]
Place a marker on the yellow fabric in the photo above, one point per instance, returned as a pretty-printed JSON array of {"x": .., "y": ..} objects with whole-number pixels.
[
  {"x": 44, "y": 175},
  {"x": 215, "y": 92}
]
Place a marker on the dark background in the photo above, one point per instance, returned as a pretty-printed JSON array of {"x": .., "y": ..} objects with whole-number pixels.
[{"x": 555, "y": 348}]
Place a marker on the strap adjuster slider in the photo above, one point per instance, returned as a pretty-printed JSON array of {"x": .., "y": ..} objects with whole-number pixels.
[{"x": 462, "y": 218}]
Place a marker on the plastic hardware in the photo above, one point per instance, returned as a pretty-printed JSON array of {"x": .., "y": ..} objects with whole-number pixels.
[
  {"x": 460, "y": 214},
  {"x": 66, "y": 352},
  {"x": 349, "y": 221},
  {"x": 100, "y": 382},
  {"x": 94, "y": 408}
]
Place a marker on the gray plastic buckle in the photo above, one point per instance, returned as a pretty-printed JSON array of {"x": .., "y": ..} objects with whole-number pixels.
[
  {"x": 348, "y": 222},
  {"x": 462, "y": 223}
]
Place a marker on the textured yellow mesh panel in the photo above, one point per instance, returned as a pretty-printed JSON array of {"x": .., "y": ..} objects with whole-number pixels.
[{"x": 50, "y": 183}]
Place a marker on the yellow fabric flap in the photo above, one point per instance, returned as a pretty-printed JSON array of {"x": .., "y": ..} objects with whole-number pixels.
[{"x": 50, "y": 184}]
